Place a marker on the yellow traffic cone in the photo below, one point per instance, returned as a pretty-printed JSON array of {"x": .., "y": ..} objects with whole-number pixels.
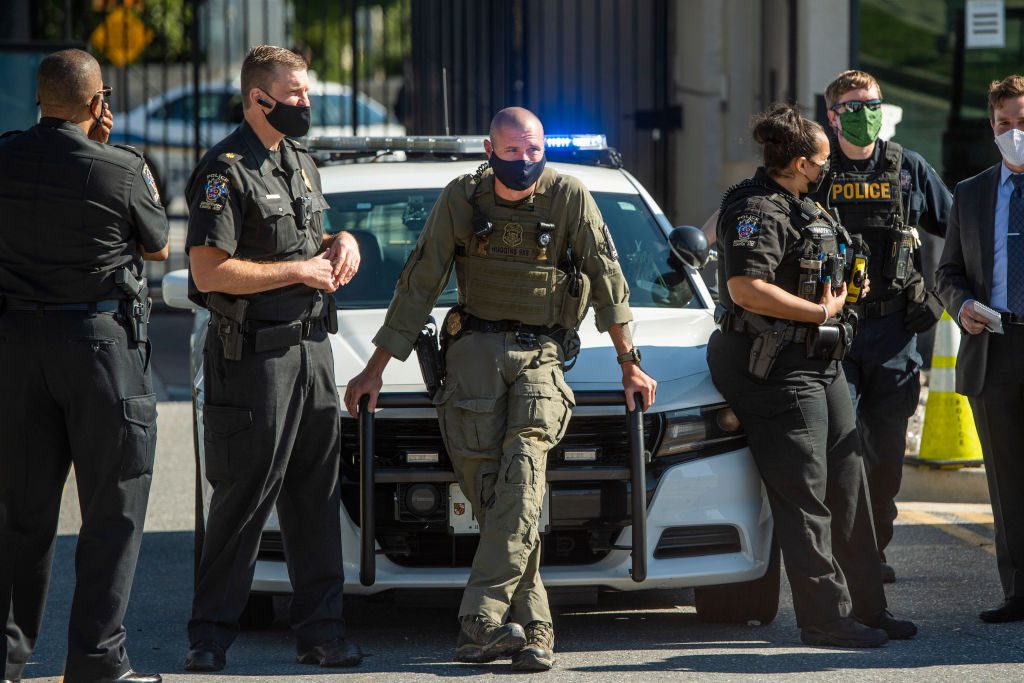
[{"x": 949, "y": 438}]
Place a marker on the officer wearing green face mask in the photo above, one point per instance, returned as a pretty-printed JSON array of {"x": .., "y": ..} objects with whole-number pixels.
[{"x": 883, "y": 194}]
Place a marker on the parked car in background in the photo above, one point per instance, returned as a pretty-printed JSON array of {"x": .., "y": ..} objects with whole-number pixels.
[{"x": 163, "y": 127}]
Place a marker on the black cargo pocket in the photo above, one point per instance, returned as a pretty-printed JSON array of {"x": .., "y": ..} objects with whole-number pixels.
[
  {"x": 140, "y": 435},
  {"x": 227, "y": 439}
]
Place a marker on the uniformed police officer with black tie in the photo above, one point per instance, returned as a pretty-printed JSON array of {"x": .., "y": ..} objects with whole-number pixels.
[
  {"x": 259, "y": 260},
  {"x": 883, "y": 193},
  {"x": 80, "y": 216}
]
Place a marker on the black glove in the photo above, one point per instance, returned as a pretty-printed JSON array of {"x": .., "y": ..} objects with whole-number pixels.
[{"x": 923, "y": 307}]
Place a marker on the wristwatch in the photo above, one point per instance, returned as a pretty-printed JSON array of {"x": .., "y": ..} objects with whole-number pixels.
[{"x": 631, "y": 356}]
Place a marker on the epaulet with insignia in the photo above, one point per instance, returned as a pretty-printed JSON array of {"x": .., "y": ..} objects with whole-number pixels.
[
  {"x": 129, "y": 148},
  {"x": 229, "y": 158}
]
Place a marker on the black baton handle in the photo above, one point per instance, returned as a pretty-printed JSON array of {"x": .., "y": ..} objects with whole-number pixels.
[
  {"x": 367, "y": 526},
  {"x": 638, "y": 463}
]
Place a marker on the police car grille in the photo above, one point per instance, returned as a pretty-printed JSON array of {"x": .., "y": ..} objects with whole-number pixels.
[{"x": 605, "y": 437}]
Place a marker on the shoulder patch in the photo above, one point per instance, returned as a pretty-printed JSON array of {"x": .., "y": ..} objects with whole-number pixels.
[
  {"x": 904, "y": 179},
  {"x": 215, "y": 192},
  {"x": 147, "y": 175},
  {"x": 748, "y": 228},
  {"x": 229, "y": 158},
  {"x": 609, "y": 243},
  {"x": 129, "y": 148}
]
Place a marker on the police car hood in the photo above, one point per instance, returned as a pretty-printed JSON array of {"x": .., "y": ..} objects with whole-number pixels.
[{"x": 673, "y": 343}]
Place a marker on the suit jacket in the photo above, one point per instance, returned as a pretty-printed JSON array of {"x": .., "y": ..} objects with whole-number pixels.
[{"x": 965, "y": 269}]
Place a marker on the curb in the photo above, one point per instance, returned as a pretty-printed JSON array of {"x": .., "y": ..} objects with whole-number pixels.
[{"x": 929, "y": 485}]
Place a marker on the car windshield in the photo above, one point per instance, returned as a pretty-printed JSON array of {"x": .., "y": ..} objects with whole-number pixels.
[{"x": 388, "y": 223}]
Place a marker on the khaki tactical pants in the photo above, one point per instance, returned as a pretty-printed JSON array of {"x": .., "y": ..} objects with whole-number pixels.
[{"x": 504, "y": 406}]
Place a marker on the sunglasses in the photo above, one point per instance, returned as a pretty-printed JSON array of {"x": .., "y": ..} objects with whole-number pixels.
[{"x": 857, "y": 105}]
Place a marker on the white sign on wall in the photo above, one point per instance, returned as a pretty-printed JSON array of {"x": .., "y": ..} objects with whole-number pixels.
[{"x": 985, "y": 24}]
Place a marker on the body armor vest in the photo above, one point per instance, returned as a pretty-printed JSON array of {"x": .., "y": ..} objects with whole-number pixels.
[
  {"x": 870, "y": 204},
  {"x": 510, "y": 266}
]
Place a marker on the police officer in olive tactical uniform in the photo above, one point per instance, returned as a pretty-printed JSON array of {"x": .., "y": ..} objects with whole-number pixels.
[
  {"x": 530, "y": 252},
  {"x": 883, "y": 193},
  {"x": 80, "y": 216},
  {"x": 776, "y": 361},
  {"x": 259, "y": 260}
]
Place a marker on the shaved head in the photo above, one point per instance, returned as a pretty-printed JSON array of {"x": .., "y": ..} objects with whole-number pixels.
[
  {"x": 516, "y": 120},
  {"x": 68, "y": 80}
]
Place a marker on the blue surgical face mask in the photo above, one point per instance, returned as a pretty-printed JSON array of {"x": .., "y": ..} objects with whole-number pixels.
[{"x": 518, "y": 174}]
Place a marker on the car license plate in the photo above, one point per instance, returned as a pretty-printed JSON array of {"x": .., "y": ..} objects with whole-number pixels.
[{"x": 461, "y": 519}]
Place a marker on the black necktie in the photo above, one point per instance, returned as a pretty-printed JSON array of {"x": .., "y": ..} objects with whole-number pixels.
[{"x": 1015, "y": 247}]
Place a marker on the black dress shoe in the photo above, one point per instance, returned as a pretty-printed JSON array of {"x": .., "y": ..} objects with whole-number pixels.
[
  {"x": 1012, "y": 609},
  {"x": 845, "y": 632},
  {"x": 896, "y": 629},
  {"x": 334, "y": 653},
  {"x": 132, "y": 676},
  {"x": 205, "y": 656}
]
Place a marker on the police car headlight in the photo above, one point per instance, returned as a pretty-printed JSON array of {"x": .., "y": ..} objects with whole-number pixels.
[{"x": 695, "y": 429}]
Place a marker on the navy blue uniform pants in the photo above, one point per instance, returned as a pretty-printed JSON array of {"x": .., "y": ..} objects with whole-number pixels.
[
  {"x": 271, "y": 437},
  {"x": 883, "y": 371},
  {"x": 800, "y": 428},
  {"x": 76, "y": 391}
]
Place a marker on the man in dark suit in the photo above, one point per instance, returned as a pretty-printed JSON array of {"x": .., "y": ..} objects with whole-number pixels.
[{"x": 983, "y": 262}]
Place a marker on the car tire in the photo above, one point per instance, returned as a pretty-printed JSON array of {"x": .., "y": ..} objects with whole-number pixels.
[
  {"x": 200, "y": 524},
  {"x": 741, "y": 603}
]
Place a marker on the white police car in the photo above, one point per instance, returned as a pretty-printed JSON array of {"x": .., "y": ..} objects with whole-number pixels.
[{"x": 708, "y": 524}]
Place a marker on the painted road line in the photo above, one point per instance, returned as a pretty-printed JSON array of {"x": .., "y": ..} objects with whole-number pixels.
[{"x": 951, "y": 529}]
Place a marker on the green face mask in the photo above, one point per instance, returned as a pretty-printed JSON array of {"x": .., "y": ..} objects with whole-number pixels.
[{"x": 861, "y": 128}]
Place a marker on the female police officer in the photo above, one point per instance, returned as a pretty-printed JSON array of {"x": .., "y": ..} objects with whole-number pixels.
[{"x": 776, "y": 361}]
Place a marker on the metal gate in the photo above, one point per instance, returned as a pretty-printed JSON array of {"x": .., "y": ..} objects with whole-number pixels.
[{"x": 581, "y": 65}]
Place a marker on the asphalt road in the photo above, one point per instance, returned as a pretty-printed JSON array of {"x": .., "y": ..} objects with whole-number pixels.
[{"x": 943, "y": 554}]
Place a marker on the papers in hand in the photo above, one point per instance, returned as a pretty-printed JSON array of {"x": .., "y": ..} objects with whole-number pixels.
[{"x": 995, "y": 322}]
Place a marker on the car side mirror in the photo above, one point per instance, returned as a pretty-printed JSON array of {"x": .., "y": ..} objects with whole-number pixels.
[{"x": 689, "y": 246}]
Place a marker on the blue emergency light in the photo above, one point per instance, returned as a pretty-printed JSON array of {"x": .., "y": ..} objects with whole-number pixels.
[{"x": 592, "y": 141}]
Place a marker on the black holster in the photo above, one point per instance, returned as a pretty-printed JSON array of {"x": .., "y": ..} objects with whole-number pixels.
[
  {"x": 429, "y": 355},
  {"x": 764, "y": 348},
  {"x": 228, "y": 321}
]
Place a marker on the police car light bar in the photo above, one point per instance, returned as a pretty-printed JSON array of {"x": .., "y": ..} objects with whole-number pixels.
[
  {"x": 592, "y": 141},
  {"x": 443, "y": 144}
]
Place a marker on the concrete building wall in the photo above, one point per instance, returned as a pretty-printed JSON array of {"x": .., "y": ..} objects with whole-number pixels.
[{"x": 732, "y": 59}]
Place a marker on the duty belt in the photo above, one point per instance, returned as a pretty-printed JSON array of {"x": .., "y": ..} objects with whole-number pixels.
[
  {"x": 1010, "y": 318},
  {"x": 880, "y": 309},
  {"x": 91, "y": 307},
  {"x": 795, "y": 332},
  {"x": 475, "y": 324}
]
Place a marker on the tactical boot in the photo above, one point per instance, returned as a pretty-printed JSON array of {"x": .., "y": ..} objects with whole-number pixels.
[
  {"x": 539, "y": 653},
  {"x": 845, "y": 632},
  {"x": 481, "y": 640}
]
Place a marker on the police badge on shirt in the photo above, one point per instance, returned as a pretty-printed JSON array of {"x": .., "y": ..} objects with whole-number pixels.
[{"x": 747, "y": 229}]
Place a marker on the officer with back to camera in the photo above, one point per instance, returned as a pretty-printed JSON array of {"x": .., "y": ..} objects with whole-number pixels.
[
  {"x": 80, "y": 216},
  {"x": 505, "y": 403},
  {"x": 260, "y": 261},
  {"x": 883, "y": 193}
]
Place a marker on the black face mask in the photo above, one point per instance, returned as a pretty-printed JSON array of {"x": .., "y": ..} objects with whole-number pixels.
[
  {"x": 519, "y": 174},
  {"x": 288, "y": 119},
  {"x": 814, "y": 185}
]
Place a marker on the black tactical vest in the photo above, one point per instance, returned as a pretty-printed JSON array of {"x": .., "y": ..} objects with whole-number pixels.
[{"x": 870, "y": 204}]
